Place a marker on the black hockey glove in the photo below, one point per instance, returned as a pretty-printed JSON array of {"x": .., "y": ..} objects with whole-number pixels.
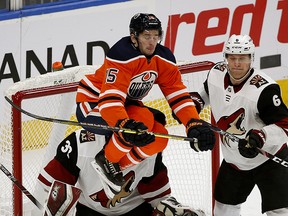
[
  {"x": 248, "y": 146},
  {"x": 205, "y": 136},
  {"x": 139, "y": 140}
]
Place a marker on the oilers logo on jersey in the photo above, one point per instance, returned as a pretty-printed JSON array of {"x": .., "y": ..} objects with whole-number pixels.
[{"x": 141, "y": 84}]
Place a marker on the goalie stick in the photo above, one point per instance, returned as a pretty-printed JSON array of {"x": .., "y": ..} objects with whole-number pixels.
[
  {"x": 97, "y": 126},
  {"x": 21, "y": 187}
]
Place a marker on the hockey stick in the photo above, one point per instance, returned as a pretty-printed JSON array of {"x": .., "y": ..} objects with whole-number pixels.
[
  {"x": 21, "y": 187},
  {"x": 97, "y": 126},
  {"x": 236, "y": 139},
  {"x": 125, "y": 130}
]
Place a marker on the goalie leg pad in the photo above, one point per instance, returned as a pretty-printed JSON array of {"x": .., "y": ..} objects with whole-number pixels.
[
  {"x": 171, "y": 207},
  {"x": 62, "y": 198}
]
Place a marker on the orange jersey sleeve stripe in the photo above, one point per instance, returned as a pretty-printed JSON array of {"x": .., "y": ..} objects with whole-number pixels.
[
  {"x": 187, "y": 113},
  {"x": 87, "y": 110},
  {"x": 87, "y": 91},
  {"x": 182, "y": 105}
]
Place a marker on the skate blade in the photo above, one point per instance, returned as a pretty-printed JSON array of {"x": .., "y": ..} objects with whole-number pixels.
[
  {"x": 104, "y": 179},
  {"x": 109, "y": 193}
]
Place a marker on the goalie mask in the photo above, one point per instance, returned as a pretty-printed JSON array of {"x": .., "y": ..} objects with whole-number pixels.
[{"x": 141, "y": 21}]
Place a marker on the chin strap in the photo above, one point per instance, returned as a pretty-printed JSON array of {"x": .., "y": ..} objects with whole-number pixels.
[{"x": 240, "y": 79}]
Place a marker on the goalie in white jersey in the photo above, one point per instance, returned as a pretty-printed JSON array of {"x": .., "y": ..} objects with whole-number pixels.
[
  {"x": 247, "y": 103},
  {"x": 146, "y": 190}
]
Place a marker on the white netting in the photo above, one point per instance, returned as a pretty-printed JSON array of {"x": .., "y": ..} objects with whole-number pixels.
[
  {"x": 189, "y": 172},
  {"x": 35, "y": 134}
]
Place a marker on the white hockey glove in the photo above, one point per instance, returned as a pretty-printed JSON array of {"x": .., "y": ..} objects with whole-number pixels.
[
  {"x": 62, "y": 199},
  {"x": 171, "y": 207}
]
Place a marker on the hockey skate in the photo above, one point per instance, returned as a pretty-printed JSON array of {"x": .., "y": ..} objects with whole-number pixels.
[
  {"x": 110, "y": 193},
  {"x": 171, "y": 207},
  {"x": 110, "y": 173}
]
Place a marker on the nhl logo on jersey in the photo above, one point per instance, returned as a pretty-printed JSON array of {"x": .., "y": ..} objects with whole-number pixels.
[{"x": 258, "y": 81}]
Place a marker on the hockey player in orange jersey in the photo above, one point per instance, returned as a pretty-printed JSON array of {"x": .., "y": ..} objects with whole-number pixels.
[{"x": 112, "y": 96}]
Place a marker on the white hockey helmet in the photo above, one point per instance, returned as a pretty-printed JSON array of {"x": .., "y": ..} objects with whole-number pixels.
[{"x": 239, "y": 44}]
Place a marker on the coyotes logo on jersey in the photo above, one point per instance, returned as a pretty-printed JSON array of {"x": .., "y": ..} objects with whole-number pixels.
[
  {"x": 232, "y": 124},
  {"x": 124, "y": 192}
]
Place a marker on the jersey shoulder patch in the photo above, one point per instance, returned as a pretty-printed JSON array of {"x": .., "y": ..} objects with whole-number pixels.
[
  {"x": 86, "y": 136},
  {"x": 258, "y": 81},
  {"x": 221, "y": 66}
]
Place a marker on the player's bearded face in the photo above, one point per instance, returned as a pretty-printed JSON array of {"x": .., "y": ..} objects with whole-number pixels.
[
  {"x": 238, "y": 65},
  {"x": 147, "y": 41}
]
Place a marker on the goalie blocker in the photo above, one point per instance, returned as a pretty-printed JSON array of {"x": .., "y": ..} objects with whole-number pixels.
[{"x": 62, "y": 199}]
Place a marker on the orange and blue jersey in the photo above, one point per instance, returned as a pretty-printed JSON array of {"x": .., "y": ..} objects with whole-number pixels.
[{"x": 126, "y": 74}]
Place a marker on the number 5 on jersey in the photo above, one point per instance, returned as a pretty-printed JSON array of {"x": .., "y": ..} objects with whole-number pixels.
[{"x": 111, "y": 75}]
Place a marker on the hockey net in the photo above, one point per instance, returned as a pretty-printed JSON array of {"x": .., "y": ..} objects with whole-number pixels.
[{"x": 27, "y": 144}]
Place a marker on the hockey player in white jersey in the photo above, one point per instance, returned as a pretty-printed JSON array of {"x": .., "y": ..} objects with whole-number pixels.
[
  {"x": 146, "y": 190},
  {"x": 247, "y": 103}
]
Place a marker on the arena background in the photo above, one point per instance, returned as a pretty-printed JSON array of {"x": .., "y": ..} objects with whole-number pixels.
[{"x": 79, "y": 33}]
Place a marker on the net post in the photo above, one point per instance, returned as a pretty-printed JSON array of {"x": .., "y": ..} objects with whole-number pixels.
[
  {"x": 17, "y": 155},
  {"x": 215, "y": 162}
]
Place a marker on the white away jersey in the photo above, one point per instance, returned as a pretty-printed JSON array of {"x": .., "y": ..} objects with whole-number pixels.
[
  {"x": 255, "y": 104},
  {"x": 72, "y": 165}
]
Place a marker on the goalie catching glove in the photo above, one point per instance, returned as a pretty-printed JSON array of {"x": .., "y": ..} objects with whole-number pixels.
[
  {"x": 143, "y": 138},
  {"x": 206, "y": 138},
  {"x": 171, "y": 207},
  {"x": 248, "y": 146}
]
